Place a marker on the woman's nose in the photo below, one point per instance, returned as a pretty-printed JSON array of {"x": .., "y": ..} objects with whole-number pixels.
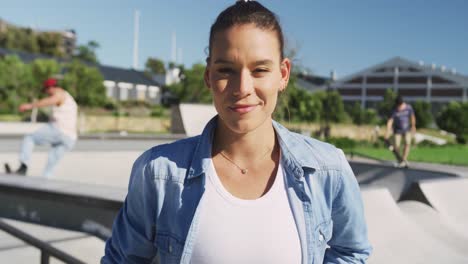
[{"x": 244, "y": 84}]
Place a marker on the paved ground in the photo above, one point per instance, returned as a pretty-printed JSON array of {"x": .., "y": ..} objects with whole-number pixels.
[{"x": 397, "y": 239}]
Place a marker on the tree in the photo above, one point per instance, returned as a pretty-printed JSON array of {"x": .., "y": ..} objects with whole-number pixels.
[
  {"x": 16, "y": 83},
  {"x": 422, "y": 111},
  {"x": 332, "y": 106},
  {"x": 362, "y": 116},
  {"x": 386, "y": 106},
  {"x": 87, "y": 52},
  {"x": 192, "y": 88},
  {"x": 454, "y": 118},
  {"x": 154, "y": 66},
  {"x": 43, "y": 69},
  {"x": 296, "y": 104},
  {"x": 85, "y": 84}
]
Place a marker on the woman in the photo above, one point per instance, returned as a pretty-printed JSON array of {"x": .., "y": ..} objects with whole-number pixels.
[{"x": 247, "y": 190}]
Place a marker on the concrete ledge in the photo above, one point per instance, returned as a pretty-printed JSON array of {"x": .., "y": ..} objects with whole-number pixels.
[
  {"x": 69, "y": 205},
  {"x": 18, "y": 128}
]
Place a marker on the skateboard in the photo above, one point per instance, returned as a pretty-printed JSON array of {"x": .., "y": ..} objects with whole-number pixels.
[{"x": 390, "y": 146}]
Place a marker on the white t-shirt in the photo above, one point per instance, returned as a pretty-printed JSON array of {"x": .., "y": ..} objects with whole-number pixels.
[
  {"x": 64, "y": 117},
  {"x": 233, "y": 230}
]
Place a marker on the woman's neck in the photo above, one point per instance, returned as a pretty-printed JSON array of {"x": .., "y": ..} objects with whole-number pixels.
[{"x": 247, "y": 146}]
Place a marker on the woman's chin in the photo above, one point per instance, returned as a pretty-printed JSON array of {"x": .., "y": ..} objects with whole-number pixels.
[{"x": 244, "y": 125}]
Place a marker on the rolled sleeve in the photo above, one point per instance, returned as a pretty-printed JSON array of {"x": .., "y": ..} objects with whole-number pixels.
[
  {"x": 133, "y": 231},
  {"x": 349, "y": 243}
]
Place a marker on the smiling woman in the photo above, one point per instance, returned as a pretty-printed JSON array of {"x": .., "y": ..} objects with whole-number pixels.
[{"x": 247, "y": 190}]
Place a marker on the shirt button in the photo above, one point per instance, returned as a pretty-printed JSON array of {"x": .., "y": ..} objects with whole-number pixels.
[{"x": 170, "y": 248}]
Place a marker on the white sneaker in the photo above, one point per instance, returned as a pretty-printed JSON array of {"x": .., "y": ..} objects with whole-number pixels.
[{"x": 403, "y": 164}]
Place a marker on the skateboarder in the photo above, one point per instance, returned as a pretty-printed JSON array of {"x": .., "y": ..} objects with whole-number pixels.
[
  {"x": 403, "y": 124},
  {"x": 60, "y": 133}
]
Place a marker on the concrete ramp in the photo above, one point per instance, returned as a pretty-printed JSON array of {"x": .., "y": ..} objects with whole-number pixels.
[
  {"x": 190, "y": 119},
  {"x": 450, "y": 198},
  {"x": 434, "y": 224},
  {"x": 396, "y": 239},
  {"x": 397, "y": 181}
]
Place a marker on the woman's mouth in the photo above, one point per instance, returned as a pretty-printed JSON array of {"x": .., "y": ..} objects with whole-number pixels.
[{"x": 242, "y": 109}]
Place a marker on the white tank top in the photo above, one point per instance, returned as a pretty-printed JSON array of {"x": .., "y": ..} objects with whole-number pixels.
[
  {"x": 233, "y": 230},
  {"x": 64, "y": 116}
]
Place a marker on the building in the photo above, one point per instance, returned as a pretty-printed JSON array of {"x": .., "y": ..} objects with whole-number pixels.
[
  {"x": 313, "y": 83},
  {"x": 128, "y": 84},
  {"x": 414, "y": 81},
  {"x": 121, "y": 84}
]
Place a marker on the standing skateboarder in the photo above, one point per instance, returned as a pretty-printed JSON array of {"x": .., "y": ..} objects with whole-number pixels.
[
  {"x": 403, "y": 124},
  {"x": 60, "y": 133}
]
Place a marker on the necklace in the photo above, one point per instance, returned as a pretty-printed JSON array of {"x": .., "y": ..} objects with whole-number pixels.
[{"x": 243, "y": 170}]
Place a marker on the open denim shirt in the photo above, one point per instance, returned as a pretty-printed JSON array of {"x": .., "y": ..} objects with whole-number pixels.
[{"x": 159, "y": 219}]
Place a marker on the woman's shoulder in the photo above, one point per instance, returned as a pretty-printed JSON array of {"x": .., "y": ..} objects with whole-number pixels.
[{"x": 323, "y": 154}]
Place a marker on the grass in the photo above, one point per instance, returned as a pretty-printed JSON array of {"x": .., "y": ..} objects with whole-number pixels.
[
  {"x": 10, "y": 118},
  {"x": 452, "y": 154}
]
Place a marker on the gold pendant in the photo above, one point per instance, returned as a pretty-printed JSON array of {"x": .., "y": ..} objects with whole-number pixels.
[{"x": 244, "y": 171}]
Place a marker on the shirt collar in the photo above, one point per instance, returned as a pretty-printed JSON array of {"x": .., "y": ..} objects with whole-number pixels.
[{"x": 294, "y": 153}]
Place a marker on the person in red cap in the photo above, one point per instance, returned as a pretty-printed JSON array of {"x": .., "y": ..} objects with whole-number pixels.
[{"x": 60, "y": 133}]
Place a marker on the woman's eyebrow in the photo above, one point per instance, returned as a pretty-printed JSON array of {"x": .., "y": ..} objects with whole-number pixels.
[
  {"x": 262, "y": 62},
  {"x": 266, "y": 62}
]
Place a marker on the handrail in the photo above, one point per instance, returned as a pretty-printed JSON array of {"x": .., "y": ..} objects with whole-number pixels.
[{"x": 46, "y": 250}]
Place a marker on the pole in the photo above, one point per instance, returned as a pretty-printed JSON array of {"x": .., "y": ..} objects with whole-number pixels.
[{"x": 135, "y": 39}]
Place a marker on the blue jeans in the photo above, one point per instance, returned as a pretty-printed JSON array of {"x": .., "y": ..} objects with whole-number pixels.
[{"x": 47, "y": 134}]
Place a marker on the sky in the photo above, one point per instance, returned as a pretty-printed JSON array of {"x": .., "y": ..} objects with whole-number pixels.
[{"x": 341, "y": 35}]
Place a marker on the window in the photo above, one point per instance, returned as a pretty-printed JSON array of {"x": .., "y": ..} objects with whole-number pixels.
[
  {"x": 380, "y": 80},
  {"x": 355, "y": 80},
  {"x": 344, "y": 91},
  {"x": 412, "y": 80},
  {"x": 437, "y": 80}
]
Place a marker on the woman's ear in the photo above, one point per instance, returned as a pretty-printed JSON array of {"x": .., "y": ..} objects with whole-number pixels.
[{"x": 285, "y": 69}]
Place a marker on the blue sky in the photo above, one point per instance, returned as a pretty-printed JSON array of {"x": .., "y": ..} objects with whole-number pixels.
[{"x": 343, "y": 35}]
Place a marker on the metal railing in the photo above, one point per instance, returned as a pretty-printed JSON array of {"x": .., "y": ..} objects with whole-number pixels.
[{"x": 46, "y": 249}]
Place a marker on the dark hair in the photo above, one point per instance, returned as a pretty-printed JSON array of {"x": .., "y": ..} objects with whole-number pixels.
[
  {"x": 247, "y": 12},
  {"x": 398, "y": 100}
]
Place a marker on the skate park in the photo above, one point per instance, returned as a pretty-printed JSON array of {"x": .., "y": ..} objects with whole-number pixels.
[{"x": 414, "y": 215}]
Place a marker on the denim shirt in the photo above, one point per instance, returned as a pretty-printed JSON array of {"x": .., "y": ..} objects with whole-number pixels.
[{"x": 159, "y": 218}]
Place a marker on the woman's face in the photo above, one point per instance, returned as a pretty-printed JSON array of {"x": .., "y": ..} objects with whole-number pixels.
[{"x": 245, "y": 74}]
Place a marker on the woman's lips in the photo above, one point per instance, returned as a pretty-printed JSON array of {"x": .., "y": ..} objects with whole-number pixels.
[{"x": 242, "y": 109}]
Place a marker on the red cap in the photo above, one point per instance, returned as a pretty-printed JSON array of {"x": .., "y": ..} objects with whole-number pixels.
[{"x": 49, "y": 83}]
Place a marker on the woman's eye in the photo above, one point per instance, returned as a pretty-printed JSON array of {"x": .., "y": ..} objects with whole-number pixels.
[{"x": 260, "y": 71}]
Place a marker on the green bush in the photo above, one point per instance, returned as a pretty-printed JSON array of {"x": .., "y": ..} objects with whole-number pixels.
[
  {"x": 158, "y": 111},
  {"x": 110, "y": 105},
  {"x": 454, "y": 118},
  {"x": 386, "y": 106},
  {"x": 422, "y": 111},
  {"x": 361, "y": 116},
  {"x": 135, "y": 103}
]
